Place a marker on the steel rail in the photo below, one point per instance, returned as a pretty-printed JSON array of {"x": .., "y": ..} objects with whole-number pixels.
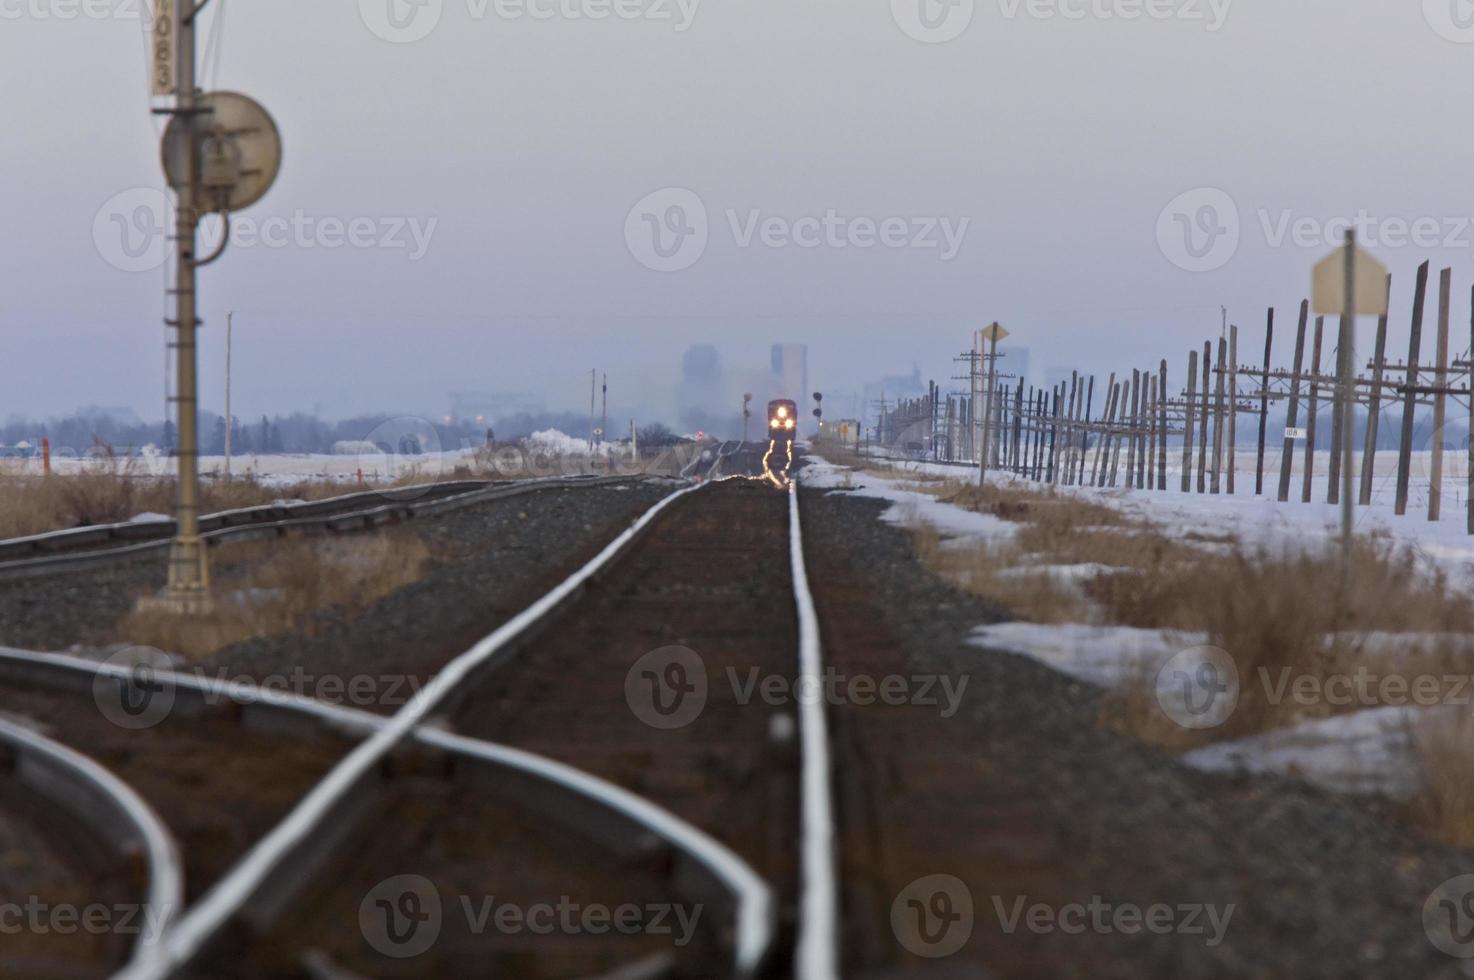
[
  {"x": 753, "y": 897},
  {"x": 228, "y": 896},
  {"x": 73, "y": 781},
  {"x": 816, "y": 952},
  {"x": 382, "y": 513}
]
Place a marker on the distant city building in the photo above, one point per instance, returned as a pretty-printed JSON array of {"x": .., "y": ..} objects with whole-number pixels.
[
  {"x": 1015, "y": 361},
  {"x": 789, "y": 375}
]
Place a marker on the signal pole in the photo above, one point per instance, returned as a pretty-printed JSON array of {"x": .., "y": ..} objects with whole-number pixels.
[
  {"x": 189, "y": 576},
  {"x": 229, "y": 419}
]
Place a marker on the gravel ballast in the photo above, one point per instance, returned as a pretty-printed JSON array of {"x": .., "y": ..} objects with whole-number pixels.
[{"x": 1321, "y": 885}]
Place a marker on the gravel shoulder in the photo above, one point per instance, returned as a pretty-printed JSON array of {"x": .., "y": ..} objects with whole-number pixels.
[
  {"x": 488, "y": 562},
  {"x": 1023, "y": 793}
]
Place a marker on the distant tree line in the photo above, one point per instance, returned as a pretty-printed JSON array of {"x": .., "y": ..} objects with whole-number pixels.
[{"x": 294, "y": 433}]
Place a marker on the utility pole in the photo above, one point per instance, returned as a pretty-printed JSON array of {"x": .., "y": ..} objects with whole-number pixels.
[
  {"x": 992, "y": 334},
  {"x": 593, "y": 383},
  {"x": 604, "y": 422},
  {"x": 221, "y": 153},
  {"x": 189, "y": 574},
  {"x": 229, "y": 419}
]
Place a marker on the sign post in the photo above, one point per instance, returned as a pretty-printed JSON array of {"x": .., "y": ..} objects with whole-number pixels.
[
  {"x": 1350, "y": 282},
  {"x": 992, "y": 334}
]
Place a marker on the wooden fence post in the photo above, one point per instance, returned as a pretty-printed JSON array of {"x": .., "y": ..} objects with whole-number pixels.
[
  {"x": 1218, "y": 416},
  {"x": 1233, "y": 403},
  {"x": 1085, "y": 432},
  {"x": 1187, "y": 433},
  {"x": 1374, "y": 409},
  {"x": 1131, "y": 428},
  {"x": 1310, "y": 414},
  {"x": 1203, "y": 429},
  {"x": 1410, "y": 396},
  {"x": 1264, "y": 404},
  {"x": 1287, "y": 458},
  {"x": 1162, "y": 430},
  {"x": 1440, "y": 382}
]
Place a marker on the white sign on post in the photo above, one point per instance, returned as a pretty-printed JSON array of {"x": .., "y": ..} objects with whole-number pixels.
[
  {"x": 1328, "y": 292},
  {"x": 1295, "y": 433},
  {"x": 163, "y": 45}
]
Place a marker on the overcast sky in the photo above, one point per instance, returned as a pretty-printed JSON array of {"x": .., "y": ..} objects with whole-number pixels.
[{"x": 539, "y": 156}]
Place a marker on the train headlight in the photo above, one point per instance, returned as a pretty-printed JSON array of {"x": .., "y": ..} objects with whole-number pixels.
[
  {"x": 773, "y": 423},
  {"x": 788, "y": 423},
  {"x": 783, "y": 411}
]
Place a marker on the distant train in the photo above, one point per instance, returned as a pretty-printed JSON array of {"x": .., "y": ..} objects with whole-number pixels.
[{"x": 782, "y": 419}]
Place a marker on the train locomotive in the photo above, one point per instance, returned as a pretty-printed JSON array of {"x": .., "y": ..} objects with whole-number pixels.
[{"x": 782, "y": 420}]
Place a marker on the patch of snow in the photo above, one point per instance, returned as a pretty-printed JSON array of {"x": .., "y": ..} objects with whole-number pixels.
[
  {"x": 148, "y": 517},
  {"x": 1367, "y": 751},
  {"x": 908, "y": 506},
  {"x": 1103, "y": 655}
]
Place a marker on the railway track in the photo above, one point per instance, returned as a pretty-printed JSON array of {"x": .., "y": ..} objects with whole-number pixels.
[
  {"x": 600, "y": 813},
  {"x": 74, "y": 549},
  {"x": 125, "y": 859},
  {"x": 217, "y": 776}
]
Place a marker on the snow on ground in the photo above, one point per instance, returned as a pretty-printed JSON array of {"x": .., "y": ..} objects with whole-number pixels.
[
  {"x": 1102, "y": 655},
  {"x": 550, "y": 450},
  {"x": 1366, "y": 750},
  {"x": 951, "y": 522},
  {"x": 1261, "y": 521}
]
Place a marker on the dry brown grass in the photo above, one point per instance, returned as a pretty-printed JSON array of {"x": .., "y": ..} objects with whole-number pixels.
[
  {"x": 36, "y": 504},
  {"x": 1443, "y": 742},
  {"x": 1276, "y": 613},
  {"x": 273, "y": 587},
  {"x": 1271, "y": 612}
]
